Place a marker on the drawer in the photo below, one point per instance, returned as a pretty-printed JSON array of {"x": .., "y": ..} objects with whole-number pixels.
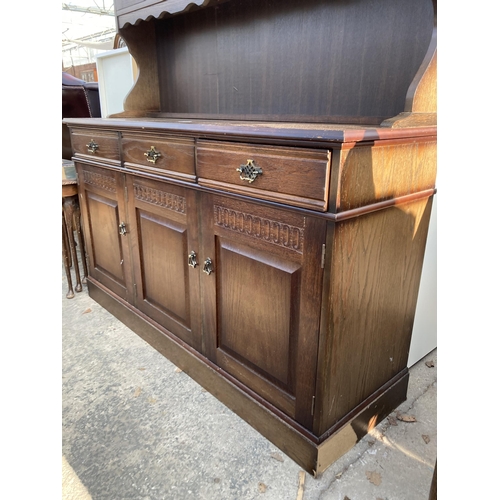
[
  {"x": 293, "y": 176},
  {"x": 159, "y": 154},
  {"x": 100, "y": 145}
]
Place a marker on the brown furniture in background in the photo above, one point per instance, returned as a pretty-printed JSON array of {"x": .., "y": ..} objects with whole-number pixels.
[
  {"x": 70, "y": 225},
  {"x": 259, "y": 211},
  {"x": 80, "y": 99}
]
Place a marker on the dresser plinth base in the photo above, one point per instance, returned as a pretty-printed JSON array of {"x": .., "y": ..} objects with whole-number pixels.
[{"x": 314, "y": 454}]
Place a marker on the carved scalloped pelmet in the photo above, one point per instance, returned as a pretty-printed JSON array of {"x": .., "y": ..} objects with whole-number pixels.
[{"x": 157, "y": 11}]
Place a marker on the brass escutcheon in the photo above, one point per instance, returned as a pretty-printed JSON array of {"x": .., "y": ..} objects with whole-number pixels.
[
  {"x": 249, "y": 171},
  {"x": 208, "y": 268},
  {"x": 192, "y": 260},
  {"x": 92, "y": 146},
  {"x": 152, "y": 155}
]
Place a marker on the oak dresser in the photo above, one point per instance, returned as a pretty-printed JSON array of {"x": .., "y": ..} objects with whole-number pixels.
[{"x": 259, "y": 211}]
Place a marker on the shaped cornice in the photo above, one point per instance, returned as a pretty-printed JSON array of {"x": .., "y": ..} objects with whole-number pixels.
[{"x": 137, "y": 12}]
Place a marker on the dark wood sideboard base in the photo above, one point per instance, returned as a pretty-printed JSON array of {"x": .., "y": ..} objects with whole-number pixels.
[
  {"x": 314, "y": 454},
  {"x": 258, "y": 212}
]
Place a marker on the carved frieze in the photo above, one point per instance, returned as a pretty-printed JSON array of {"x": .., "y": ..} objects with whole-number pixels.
[
  {"x": 99, "y": 180},
  {"x": 160, "y": 198},
  {"x": 271, "y": 231}
]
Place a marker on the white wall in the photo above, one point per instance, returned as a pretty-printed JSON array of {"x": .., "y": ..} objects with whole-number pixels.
[
  {"x": 424, "y": 337},
  {"x": 116, "y": 76}
]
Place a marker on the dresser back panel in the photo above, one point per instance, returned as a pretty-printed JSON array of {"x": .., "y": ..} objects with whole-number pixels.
[{"x": 305, "y": 60}]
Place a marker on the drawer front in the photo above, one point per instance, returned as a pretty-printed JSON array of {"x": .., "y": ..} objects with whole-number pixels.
[
  {"x": 293, "y": 176},
  {"x": 99, "y": 145},
  {"x": 159, "y": 154}
]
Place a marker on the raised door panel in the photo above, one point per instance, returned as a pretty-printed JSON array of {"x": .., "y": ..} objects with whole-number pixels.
[
  {"x": 103, "y": 206},
  {"x": 261, "y": 301},
  {"x": 163, "y": 220},
  {"x": 258, "y": 310}
]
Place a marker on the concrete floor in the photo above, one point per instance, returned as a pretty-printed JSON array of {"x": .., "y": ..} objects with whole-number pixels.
[{"x": 137, "y": 428}]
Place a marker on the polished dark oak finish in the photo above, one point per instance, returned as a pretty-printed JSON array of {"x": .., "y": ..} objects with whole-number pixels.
[
  {"x": 294, "y": 59},
  {"x": 314, "y": 60},
  {"x": 171, "y": 156},
  {"x": 102, "y": 202},
  {"x": 288, "y": 175},
  {"x": 313, "y": 454},
  {"x": 259, "y": 211},
  {"x": 263, "y": 300},
  {"x": 96, "y": 145},
  {"x": 366, "y": 326},
  {"x": 164, "y": 222}
]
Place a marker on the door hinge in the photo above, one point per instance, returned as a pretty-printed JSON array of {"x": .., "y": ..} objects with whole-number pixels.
[
  {"x": 323, "y": 255},
  {"x": 313, "y": 402}
]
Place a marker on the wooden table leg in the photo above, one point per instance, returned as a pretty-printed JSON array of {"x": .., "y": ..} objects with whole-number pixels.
[
  {"x": 66, "y": 259},
  {"x": 81, "y": 242},
  {"x": 69, "y": 204}
]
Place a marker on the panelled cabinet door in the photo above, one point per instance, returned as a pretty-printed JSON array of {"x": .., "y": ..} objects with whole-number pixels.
[
  {"x": 163, "y": 220},
  {"x": 261, "y": 286},
  {"x": 102, "y": 200}
]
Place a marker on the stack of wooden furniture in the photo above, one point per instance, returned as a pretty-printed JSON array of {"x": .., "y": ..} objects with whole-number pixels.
[
  {"x": 79, "y": 99},
  {"x": 259, "y": 211},
  {"x": 70, "y": 225}
]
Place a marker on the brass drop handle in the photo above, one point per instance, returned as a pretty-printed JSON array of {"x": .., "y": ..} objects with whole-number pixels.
[
  {"x": 192, "y": 262},
  {"x": 152, "y": 155},
  {"x": 92, "y": 146},
  {"x": 122, "y": 229},
  {"x": 208, "y": 268},
  {"x": 249, "y": 171}
]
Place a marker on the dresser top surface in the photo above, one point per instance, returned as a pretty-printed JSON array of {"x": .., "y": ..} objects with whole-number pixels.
[{"x": 314, "y": 132}]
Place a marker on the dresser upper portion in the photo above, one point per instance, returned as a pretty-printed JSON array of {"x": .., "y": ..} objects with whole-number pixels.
[{"x": 301, "y": 61}]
